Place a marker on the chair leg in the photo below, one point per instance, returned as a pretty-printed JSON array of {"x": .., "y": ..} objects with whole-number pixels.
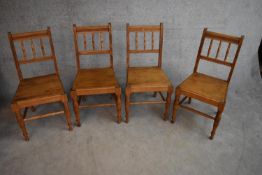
[
  {"x": 127, "y": 103},
  {"x": 176, "y": 105},
  {"x": 67, "y": 112},
  {"x": 118, "y": 104},
  {"x": 21, "y": 124},
  {"x": 216, "y": 122},
  {"x": 76, "y": 107},
  {"x": 168, "y": 100}
]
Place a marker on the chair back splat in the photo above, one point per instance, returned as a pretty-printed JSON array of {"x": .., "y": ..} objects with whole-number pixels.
[
  {"x": 222, "y": 39},
  {"x": 91, "y": 46},
  {"x": 37, "y": 41},
  {"x": 152, "y": 30}
]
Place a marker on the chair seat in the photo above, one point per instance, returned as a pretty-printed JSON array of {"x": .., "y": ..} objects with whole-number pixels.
[
  {"x": 147, "y": 77},
  {"x": 38, "y": 87},
  {"x": 204, "y": 87},
  {"x": 99, "y": 78}
]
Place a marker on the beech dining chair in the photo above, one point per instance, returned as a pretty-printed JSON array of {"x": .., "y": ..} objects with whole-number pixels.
[
  {"x": 37, "y": 90},
  {"x": 205, "y": 88},
  {"x": 94, "y": 81},
  {"x": 149, "y": 78}
]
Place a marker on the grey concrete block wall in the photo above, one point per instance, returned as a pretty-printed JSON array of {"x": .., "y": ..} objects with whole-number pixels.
[{"x": 183, "y": 25}]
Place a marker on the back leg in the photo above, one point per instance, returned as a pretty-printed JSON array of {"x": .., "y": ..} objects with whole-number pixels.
[
  {"x": 76, "y": 107},
  {"x": 127, "y": 103},
  {"x": 67, "y": 112},
  {"x": 118, "y": 104},
  {"x": 176, "y": 105},
  {"x": 168, "y": 100}
]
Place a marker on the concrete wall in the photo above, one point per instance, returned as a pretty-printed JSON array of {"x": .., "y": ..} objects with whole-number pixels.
[{"x": 183, "y": 25}]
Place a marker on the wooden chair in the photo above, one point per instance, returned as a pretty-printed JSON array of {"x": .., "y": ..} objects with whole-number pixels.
[
  {"x": 205, "y": 88},
  {"x": 146, "y": 79},
  {"x": 96, "y": 80},
  {"x": 36, "y": 90}
]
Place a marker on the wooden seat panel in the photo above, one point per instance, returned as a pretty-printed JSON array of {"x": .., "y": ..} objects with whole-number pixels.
[
  {"x": 204, "y": 86},
  {"x": 38, "y": 87},
  {"x": 151, "y": 76},
  {"x": 95, "y": 78}
]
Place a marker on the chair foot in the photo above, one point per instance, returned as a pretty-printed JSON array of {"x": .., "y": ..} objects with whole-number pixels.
[
  {"x": 172, "y": 121},
  {"x": 78, "y": 124},
  {"x": 26, "y": 139},
  {"x": 127, "y": 120},
  {"x": 164, "y": 117},
  {"x": 21, "y": 124},
  {"x": 211, "y": 137}
]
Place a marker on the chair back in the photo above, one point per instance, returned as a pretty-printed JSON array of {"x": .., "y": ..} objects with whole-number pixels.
[
  {"x": 218, "y": 58},
  {"x": 36, "y": 51},
  {"x": 92, "y": 46},
  {"x": 144, "y": 29}
]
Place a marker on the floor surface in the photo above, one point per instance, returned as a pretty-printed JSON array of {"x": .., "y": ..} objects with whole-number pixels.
[{"x": 146, "y": 145}]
